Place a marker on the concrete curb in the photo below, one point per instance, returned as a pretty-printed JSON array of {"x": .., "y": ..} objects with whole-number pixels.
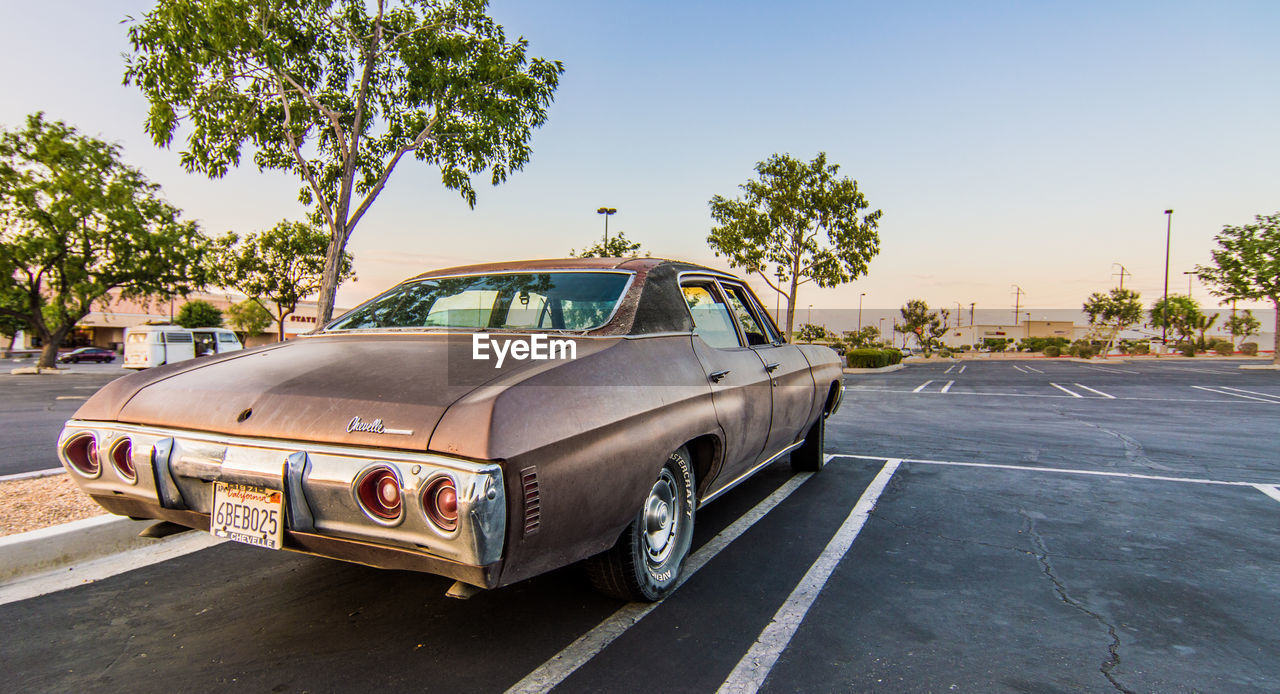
[
  {"x": 51, "y": 548},
  {"x": 33, "y": 475},
  {"x": 878, "y": 370},
  {"x": 1261, "y": 367}
]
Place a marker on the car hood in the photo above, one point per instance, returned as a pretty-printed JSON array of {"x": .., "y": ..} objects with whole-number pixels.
[{"x": 387, "y": 391}]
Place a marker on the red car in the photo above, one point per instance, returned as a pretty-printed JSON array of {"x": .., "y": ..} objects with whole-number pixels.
[{"x": 97, "y": 354}]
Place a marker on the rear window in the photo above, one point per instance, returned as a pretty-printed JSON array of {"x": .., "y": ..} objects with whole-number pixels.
[
  {"x": 515, "y": 301},
  {"x": 226, "y": 337}
]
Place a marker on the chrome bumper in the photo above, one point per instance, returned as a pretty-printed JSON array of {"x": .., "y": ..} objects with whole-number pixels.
[{"x": 176, "y": 470}]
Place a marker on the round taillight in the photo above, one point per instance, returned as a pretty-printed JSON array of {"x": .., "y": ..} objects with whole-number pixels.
[
  {"x": 122, "y": 459},
  {"x": 378, "y": 491},
  {"x": 440, "y": 503},
  {"x": 82, "y": 453}
]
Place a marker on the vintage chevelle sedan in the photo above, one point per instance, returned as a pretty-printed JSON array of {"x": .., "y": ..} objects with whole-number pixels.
[{"x": 485, "y": 423}]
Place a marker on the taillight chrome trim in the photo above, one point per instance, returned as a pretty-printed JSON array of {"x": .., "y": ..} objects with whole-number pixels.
[
  {"x": 431, "y": 511},
  {"x": 379, "y": 469},
  {"x": 90, "y": 443},
  {"x": 130, "y": 474}
]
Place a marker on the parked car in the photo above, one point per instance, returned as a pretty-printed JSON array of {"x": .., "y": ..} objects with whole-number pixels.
[
  {"x": 486, "y": 423},
  {"x": 95, "y": 354}
]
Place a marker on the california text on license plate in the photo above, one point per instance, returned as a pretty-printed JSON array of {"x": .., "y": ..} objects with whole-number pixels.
[{"x": 252, "y": 515}]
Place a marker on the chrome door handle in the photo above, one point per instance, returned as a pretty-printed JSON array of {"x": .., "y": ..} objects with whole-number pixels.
[
  {"x": 715, "y": 376},
  {"x": 772, "y": 367}
]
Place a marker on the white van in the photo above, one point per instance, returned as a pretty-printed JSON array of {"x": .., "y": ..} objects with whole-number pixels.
[
  {"x": 155, "y": 344},
  {"x": 215, "y": 341},
  {"x": 152, "y": 345}
]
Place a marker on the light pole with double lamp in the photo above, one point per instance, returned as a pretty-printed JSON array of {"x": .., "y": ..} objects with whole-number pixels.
[
  {"x": 860, "y": 310},
  {"x": 607, "y": 212}
]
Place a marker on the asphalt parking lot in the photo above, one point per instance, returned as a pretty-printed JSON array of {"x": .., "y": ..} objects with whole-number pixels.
[
  {"x": 982, "y": 526},
  {"x": 33, "y": 409}
]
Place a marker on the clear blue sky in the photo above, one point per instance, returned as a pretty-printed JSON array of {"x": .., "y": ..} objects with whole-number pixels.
[{"x": 1007, "y": 142}]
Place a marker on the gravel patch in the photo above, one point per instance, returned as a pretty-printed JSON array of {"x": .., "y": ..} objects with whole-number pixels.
[{"x": 39, "y": 503}]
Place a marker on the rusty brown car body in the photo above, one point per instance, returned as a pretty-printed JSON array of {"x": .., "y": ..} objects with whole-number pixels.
[{"x": 483, "y": 473}]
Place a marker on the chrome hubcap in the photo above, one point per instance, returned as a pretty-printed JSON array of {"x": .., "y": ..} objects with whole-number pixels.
[{"x": 661, "y": 521}]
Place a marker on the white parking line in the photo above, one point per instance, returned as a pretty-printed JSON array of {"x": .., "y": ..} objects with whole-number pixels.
[
  {"x": 962, "y": 368},
  {"x": 1251, "y": 392},
  {"x": 587, "y": 646},
  {"x": 1216, "y": 372},
  {"x": 949, "y": 368},
  {"x": 1237, "y": 395},
  {"x": 922, "y": 386},
  {"x": 1068, "y": 392},
  {"x": 946, "y": 387},
  {"x": 1098, "y": 392},
  {"x": 1033, "y": 369},
  {"x": 1270, "y": 490},
  {"x": 1060, "y": 470},
  {"x": 1109, "y": 369},
  {"x": 1019, "y": 368},
  {"x": 752, "y": 670}
]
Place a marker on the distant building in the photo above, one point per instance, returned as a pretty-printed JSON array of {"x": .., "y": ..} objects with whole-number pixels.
[{"x": 105, "y": 325}]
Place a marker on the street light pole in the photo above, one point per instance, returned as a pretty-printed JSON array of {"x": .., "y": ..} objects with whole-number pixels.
[
  {"x": 1189, "y": 274},
  {"x": 1123, "y": 272},
  {"x": 607, "y": 212},
  {"x": 860, "y": 310},
  {"x": 1164, "y": 318}
]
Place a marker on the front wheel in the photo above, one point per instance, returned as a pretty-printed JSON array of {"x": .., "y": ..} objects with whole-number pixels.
[
  {"x": 810, "y": 456},
  {"x": 645, "y": 564}
]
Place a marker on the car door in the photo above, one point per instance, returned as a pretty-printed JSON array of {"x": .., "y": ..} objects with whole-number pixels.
[
  {"x": 791, "y": 379},
  {"x": 740, "y": 387}
]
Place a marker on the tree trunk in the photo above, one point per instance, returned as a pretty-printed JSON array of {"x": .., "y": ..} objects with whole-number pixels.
[
  {"x": 791, "y": 307},
  {"x": 49, "y": 351},
  {"x": 329, "y": 282},
  {"x": 1275, "y": 355}
]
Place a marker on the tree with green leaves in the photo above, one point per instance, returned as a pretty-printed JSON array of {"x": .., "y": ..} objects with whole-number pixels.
[
  {"x": 801, "y": 218},
  {"x": 1203, "y": 323},
  {"x": 811, "y": 333},
  {"x": 338, "y": 93},
  {"x": 199, "y": 314},
  {"x": 868, "y": 336},
  {"x": 77, "y": 223},
  {"x": 1112, "y": 312},
  {"x": 282, "y": 265},
  {"x": 1242, "y": 325},
  {"x": 1178, "y": 316},
  {"x": 618, "y": 246},
  {"x": 248, "y": 318},
  {"x": 926, "y": 325},
  {"x": 1246, "y": 265}
]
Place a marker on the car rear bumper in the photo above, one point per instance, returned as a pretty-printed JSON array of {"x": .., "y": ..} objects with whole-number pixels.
[{"x": 176, "y": 471}]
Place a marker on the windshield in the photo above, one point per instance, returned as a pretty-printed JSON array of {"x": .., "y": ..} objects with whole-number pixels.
[{"x": 523, "y": 301}]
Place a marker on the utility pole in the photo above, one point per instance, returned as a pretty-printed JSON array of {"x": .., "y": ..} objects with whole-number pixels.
[
  {"x": 1189, "y": 275},
  {"x": 860, "y": 311},
  {"x": 607, "y": 212},
  {"x": 1122, "y": 273},
  {"x": 1164, "y": 319},
  {"x": 1017, "y": 302},
  {"x": 971, "y": 305},
  {"x": 959, "y": 309}
]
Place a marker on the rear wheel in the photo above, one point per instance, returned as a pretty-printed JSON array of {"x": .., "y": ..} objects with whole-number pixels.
[
  {"x": 645, "y": 564},
  {"x": 810, "y": 456}
]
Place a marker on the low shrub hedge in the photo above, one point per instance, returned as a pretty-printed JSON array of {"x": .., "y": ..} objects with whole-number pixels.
[
  {"x": 1249, "y": 349},
  {"x": 1224, "y": 348},
  {"x": 1187, "y": 349},
  {"x": 1053, "y": 351},
  {"x": 867, "y": 358}
]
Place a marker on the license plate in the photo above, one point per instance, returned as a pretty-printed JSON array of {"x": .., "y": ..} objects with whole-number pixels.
[{"x": 252, "y": 515}]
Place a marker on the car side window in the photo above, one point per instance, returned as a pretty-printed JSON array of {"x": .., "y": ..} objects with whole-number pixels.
[
  {"x": 711, "y": 318},
  {"x": 751, "y": 326}
]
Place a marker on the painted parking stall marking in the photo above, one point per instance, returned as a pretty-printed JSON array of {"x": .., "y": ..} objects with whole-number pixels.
[
  {"x": 922, "y": 386},
  {"x": 1224, "y": 391},
  {"x": 947, "y": 388},
  {"x": 754, "y": 667},
  {"x": 590, "y": 644},
  {"x": 1095, "y": 391},
  {"x": 1067, "y": 391},
  {"x": 1270, "y": 490}
]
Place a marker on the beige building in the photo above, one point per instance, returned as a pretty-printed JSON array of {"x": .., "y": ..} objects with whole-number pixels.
[
  {"x": 105, "y": 325},
  {"x": 975, "y": 334}
]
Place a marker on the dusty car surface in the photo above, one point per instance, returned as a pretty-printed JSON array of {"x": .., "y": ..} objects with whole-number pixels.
[{"x": 485, "y": 423}]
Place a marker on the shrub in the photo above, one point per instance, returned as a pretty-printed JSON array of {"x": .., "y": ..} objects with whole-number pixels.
[
  {"x": 1053, "y": 351},
  {"x": 1249, "y": 349},
  {"x": 895, "y": 355},
  {"x": 1082, "y": 349},
  {"x": 1224, "y": 348},
  {"x": 944, "y": 353},
  {"x": 1038, "y": 344},
  {"x": 1187, "y": 349},
  {"x": 1139, "y": 348},
  {"x": 966, "y": 348},
  {"x": 867, "y": 358}
]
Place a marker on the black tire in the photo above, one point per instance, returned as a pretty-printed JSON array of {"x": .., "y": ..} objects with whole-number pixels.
[
  {"x": 645, "y": 564},
  {"x": 810, "y": 456}
]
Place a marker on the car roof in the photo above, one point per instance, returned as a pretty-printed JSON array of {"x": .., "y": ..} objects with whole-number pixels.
[{"x": 626, "y": 264}]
